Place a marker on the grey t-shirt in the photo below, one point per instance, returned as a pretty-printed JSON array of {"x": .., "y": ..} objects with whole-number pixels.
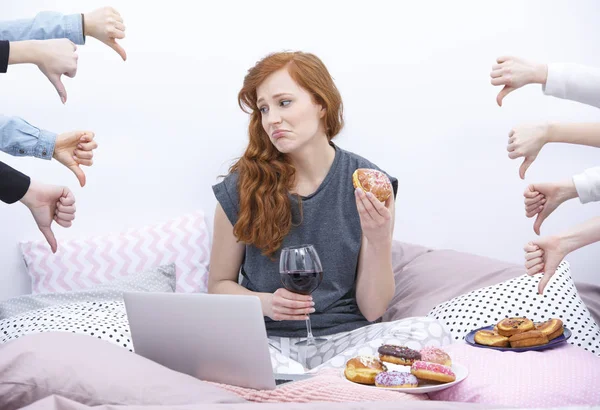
[{"x": 331, "y": 223}]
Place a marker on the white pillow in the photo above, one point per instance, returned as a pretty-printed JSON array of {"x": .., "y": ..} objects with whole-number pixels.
[{"x": 518, "y": 297}]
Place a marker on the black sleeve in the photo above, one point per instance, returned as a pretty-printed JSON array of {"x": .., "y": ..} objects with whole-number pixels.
[
  {"x": 13, "y": 184},
  {"x": 4, "y": 52}
]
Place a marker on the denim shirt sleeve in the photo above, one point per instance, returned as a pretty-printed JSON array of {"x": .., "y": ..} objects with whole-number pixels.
[
  {"x": 45, "y": 25},
  {"x": 21, "y": 139}
]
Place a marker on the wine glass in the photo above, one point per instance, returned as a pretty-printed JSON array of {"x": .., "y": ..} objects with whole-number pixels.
[{"x": 301, "y": 272}]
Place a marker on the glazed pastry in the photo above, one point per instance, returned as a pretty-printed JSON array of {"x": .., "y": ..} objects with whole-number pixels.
[
  {"x": 435, "y": 355},
  {"x": 396, "y": 379},
  {"x": 528, "y": 339},
  {"x": 551, "y": 328},
  {"x": 491, "y": 338},
  {"x": 363, "y": 369},
  {"x": 432, "y": 371},
  {"x": 398, "y": 354},
  {"x": 513, "y": 325},
  {"x": 373, "y": 181}
]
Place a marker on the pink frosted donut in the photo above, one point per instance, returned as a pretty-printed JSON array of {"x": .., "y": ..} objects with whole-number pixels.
[
  {"x": 432, "y": 371},
  {"x": 373, "y": 181},
  {"x": 435, "y": 355},
  {"x": 395, "y": 379}
]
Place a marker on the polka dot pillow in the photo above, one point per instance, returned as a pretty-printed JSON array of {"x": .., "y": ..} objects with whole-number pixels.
[
  {"x": 518, "y": 297},
  {"x": 98, "y": 313}
]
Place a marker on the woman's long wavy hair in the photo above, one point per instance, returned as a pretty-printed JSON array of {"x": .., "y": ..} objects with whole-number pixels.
[{"x": 266, "y": 176}]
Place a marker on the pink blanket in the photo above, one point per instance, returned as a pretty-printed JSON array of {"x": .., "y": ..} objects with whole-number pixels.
[{"x": 328, "y": 386}]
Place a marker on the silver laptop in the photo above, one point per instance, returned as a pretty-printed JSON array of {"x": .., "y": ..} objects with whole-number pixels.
[{"x": 217, "y": 338}]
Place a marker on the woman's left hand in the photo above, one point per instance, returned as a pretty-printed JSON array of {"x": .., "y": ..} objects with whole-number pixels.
[{"x": 375, "y": 216}]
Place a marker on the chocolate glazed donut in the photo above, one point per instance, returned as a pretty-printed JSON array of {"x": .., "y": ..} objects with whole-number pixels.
[{"x": 398, "y": 354}]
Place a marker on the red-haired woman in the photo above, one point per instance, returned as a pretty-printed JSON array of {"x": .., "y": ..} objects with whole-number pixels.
[{"x": 293, "y": 186}]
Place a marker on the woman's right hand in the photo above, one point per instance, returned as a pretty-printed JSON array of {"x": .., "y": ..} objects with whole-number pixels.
[{"x": 286, "y": 305}]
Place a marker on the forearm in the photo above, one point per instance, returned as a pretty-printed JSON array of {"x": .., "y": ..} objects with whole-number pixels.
[
  {"x": 45, "y": 25},
  {"x": 566, "y": 190},
  {"x": 575, "y": 133},
  {"x": 23, "y": 52},
  {"x": 581, "y": 235},
  {"x": 19, "y": 138},
  {"x": 375, "y": 286},
  {"x": 230, "y": 287}
]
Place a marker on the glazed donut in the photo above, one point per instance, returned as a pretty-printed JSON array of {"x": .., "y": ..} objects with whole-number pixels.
[
  {"x": 398, "y": 354},
  {"x": 527, "y": 339},
  {"x": 491, "y": 338},
  {"x": 551, "y": 328},
  {"x": 396, "y": 379},
  {"x": 435, "y": 355},
  {"x": 373, "y": 181},
  {"x": 513, "y": 325},
  {"x": 432, "y": 371},
  {"x": 363, "y": 369}
]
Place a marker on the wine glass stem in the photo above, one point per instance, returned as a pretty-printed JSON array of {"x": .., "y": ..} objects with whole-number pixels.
[{"x": 309, "y": 337}]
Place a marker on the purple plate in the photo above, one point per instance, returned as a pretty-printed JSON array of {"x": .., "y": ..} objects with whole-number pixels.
[{"x": 470, "y": 339}]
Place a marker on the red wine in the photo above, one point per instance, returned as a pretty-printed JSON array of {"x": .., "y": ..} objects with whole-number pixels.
[{"x": 303, "y": 282}]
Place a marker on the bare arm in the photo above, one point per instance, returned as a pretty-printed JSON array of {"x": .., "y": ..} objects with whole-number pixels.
[
  {"x": 575, "y": 133},
  {"x": 22, "y": 52},
  {"x": 226, "y": 258},
  {"x": 375, "y": 284},
  {"x": 528, "y": 140},
  {"x": 581, "y": 235}
]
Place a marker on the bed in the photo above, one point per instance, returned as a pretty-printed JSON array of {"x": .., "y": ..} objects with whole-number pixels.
[{"x": 69, "y": 348}]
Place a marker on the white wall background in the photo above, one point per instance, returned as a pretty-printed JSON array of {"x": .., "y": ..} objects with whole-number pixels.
[{"x": 418, "y": 102}]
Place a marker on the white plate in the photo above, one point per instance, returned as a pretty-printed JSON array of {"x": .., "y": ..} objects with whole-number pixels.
[{"x": 459, "y": 370}]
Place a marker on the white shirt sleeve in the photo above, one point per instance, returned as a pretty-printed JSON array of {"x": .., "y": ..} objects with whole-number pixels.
[
  {"x": 573, "y": 82},
  {"x": 587, "y": 185}
]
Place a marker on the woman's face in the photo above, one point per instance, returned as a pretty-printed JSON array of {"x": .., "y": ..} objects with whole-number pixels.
[{"x": 290, "y": 117}]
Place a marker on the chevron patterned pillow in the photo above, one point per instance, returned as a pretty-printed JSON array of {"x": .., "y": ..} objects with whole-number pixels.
[{"x": 83, "y": 263}]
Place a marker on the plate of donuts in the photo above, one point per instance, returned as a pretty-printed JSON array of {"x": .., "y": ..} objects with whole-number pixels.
[
  {"x": 519, "y": 334},
  {"x": 403, "y": 369}
]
